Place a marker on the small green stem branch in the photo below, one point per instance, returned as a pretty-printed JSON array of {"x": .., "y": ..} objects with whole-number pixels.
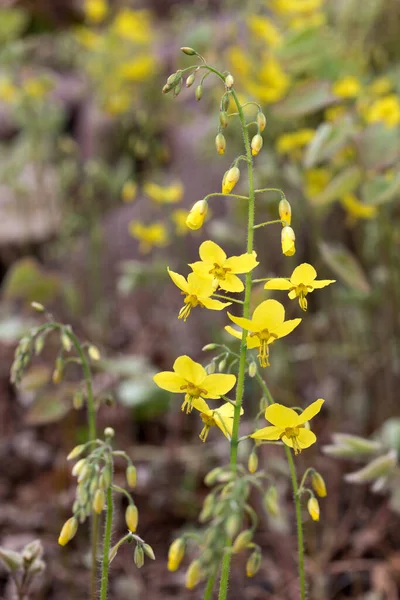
[
  {"x": 300, "y": 537},
  {"x": 228, "y": 298},
  {"x": 237, "y": 196},
  {"x": 263, "y": 190},
  {"x": 208, "y": 594},
  {"x": 106, "y": 546},
  {"x": 223, "y": 585},
  {"x": 270, "y": 223}
]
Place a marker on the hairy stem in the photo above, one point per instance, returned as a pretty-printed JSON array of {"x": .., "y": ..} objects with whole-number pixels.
[
  {"x": 300, "y": 537},
  {"x": 106, "y": 546},
  {"x": 208, "y": 593}
]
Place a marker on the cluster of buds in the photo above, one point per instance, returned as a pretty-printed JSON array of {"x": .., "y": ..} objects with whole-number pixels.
[
  {"x": 318, "y": 487},
  {"x": 24, "y": 567},
  {"x": 287, "y": 236}
]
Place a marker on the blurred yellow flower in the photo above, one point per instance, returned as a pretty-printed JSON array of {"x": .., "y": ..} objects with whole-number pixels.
[
  {"x": 386, "y": 110},
  {"x": 88, "y": 38},
  {"x": 35, "y": 88},
  {"x": 8, "y": 92},
  {"x": 190, "y": 378},
  {"x": 308, "y": 21},
  {"x": 129, "y": 191},
  {"x": 221, "y": 417},
  {"x": 149, "y": 236},
  {"x": 267, "y": 325},
  {"x": 117, "y": 103},
  {"x": 170, "y": 194},
  {"x": 221, "y": 270},
  {"x": 289, "y": 426},
  {"x": 272, "y": 82},
  {"x": 334, "y": 113},
  {"x": 347, "y": 87},
  {"x": 380, "y": 86},
  {"x": 302, "y": 282},
  {"x": 137, "y": 69},
  {"x": 291, "y": 143},
  {"x": 356, "y": 209},
  {"x": 286, "y": 7},
  {"x": 95, "y": 10},
  {"x": 316, "y": 180},
  {"x": 133, "y": 26},
  {"x": 179, "y": 217},
  {"x": 241, "y": 61},
  {"x": 197, "y": 292},
  {"x": 264, "y": 29}
]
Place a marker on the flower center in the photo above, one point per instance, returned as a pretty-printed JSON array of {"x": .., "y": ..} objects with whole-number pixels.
[
  {"x": 219, "y": 272},
  {"x": 265, "y": 338},
  {"x": 208, "y": 421},
  {"x": 192, "y": 393},
  {"x": 301, "y": 291},
  {"x": 292, "y": 433},
  {"x": 191, "y": 301}
]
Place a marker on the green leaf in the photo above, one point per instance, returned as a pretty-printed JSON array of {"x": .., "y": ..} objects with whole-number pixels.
[
  {"x": 328, "y": 139},
  {"x": 380, "y": 190},
  {"x": 346, "y": 181},
  {"x": 345, "y": 266},
  {"x": 379, "y": 146},
  {"x": 305, "y": 98}
]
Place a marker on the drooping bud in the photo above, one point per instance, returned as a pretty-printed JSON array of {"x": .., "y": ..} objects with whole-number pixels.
[
  {"x": 318, "y": 484},
  {"x": 253, "y": 462},
  {"x": 232, "y": 525},
  {"x": 256, "y": 144},
  {"x": 105, "y": 478},
  {"x": 261, "y": 121},
  {"x": 94, "y": 352},
  {"x": 193, "y": 575},
  {"x": 77, "y": 400},
  {"x": 208, "y": 507},
  {"x": 270, "y": 501},
  {"x": 132, "y": 517},
  {"x": 313, "y": 508},
  {"x": 253, "y": 564},
  {"x": 131, "y": 476},
  {"x": 38, "y": 306},
  {"x": 223, "y": 119},
  {"x": 197, "y": 215},
  {"x": 77, "y": 468},
  {"x": 188, "y": 51},
  {"x": 190, "y": 80},
  {"x": 285, "y": 212},
  {"x": 99, "y": 501},
  {"x": 252, "y": 369},
  {"x": 220, "y": 143},
  {"x": 172, "y": 81},
  {"x": 11, "y": 559},
  {"x": 209, "y": 347},
  {"x": 66, "y": 342},
  {"x": 175, "y": 554},
  {"x": 229, "y": 81},
  {"x": 212, "y": 476},
  {"x": 138, "y": 556},
  {"x": 222, "y": 365},
  {"x": 243, "y": 539},
  {"x": 288, "y": 241},
  {"x": 32, "y": 551},
  {"x": 230, "y": 179},
  {"x": 75, "y": 452},
  {"x": 148, "y": 550},
  {"x": 199, "y": 92},
  {"x": 58, "y": 371},
  {"x": 68, "y": 531}
]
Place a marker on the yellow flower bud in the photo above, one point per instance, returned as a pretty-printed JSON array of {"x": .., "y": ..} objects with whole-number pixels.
[
  {"x": 199, "y": 92},
  {"x": 77, "y": 400},
  {"x": 223, "y": 119},
  {"x": 197, "y": 215},
  {"x": 288, "y": 238},
  {"x": 131, "y": 476},
  {"x": 193, "y": 575},
  {"x": 220, "y": 143},
  {"x": 77, "y": 468},
  {"x": 230, "y": 179},
  {"x": 261, "y": 121},
  {"x": 285, "y": 212},
  {"x": 313, "y": 508},
  {"x": 318, "y": 484},
  {"x": 129, "y": 191},
  {"x": 229, "y": 81},
  {"x": 232, "y": 525},
  {"x": 190, "y": 80},
  {"x": 75, "y": 452},
  {"x": 253, "y": 564},
  {"x": 68, "y": 531},
  {"x": 188, "y": 51},
  {"x": 252, "y": 369},
  {"x": 148, "y": 550},
  {"x": 256, "y": 144},
  {"x": 94, "y": 352},
  {"x": 37, "y": 306},
  {"x": 109, "y": 432},
  {"x": 175, "y": 554},
  {"x": 253, "y": 462},
  {"x": 66, "y": 342},
  {"x": 99, "y": 501},
  {"x": 270, "y": 501},
  {"x": 243, "y": 539},
  {"x": 132, "y": 517}
]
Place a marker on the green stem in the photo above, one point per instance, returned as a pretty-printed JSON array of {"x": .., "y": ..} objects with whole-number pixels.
[
  {"x": 227, "y": 298},
  {"x": 300, "y": 537},
  {"x": 270, "y": 223},
  {"x": 106, "y": 546},
  {"x": 223, "y": 585},
  {"x": 270, "y": 190},
  {"x": 237, "y": 196},
  {"x": 208, "y": 593}
]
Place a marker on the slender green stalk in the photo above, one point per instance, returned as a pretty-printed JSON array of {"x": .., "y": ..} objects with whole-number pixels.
[
  {"x": 208, "y": 593},
  {"x": 300, "y": 537},
  {"x": 106, "y": 546},
  {"x": 223, "y": 585},
  {"x": 227, "y": 298},
  {"x": 270, "y": 223}
]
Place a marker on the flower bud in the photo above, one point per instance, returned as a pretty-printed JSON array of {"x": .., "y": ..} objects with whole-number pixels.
[
  {"x": 193, "y": 575},
  {"x": 75, "y": 452},
  {"x": 175, "y": 554},
  {"x": 32, "y": 551},
  {"x": 105, "y": 478},
  {"x": 220, "y": 143},
  {"x": 209, "y": 347},
  {"x": 261, "y": 121},
  {"x": 12, "y": 560},
  {"x": 243, "y": 539},
  {"x": 229, "y": 81},
  {"x": 252, "y": 369},
  {"x": 38, "y": 306},
  {"x": 313, "y": 508},
  {"x": 288, "y": 238},
  {"x": 285, "y": 211},
  {"x": 77, "y": 468},
  {"x": 232, "y": 525},
  {"x": 99, "y": 501},
  {"x": 77, "y": 400},
  {"x": 66, "y": 342},
  {"x": 190, "y": 80},
  {"x": 208, "y": 507},
  {"x": 188, "y": 51},
  {"x": 253, "y": 462},
  {"x": 253, "y": 564},
  {"x": 197, "y": 215},
  {"x": 380, "y": 467},
  {"x": 210, "y": 368},
  {"x": 223, "y": 119},
  {"x": 131, "y": 476},
  {"x": 318, "y": 484},
  {"x": 256, "y": 144},
  {"x": 138, "y": 556},
  {"x": 109, "y": 432},
  {"x": 39, "y": 344},
  {"x": 94, "y": 352},
  {"x": 148, "y": 550},
  {"x": 199, "y": 92},
  {"x": 270, "y": 501},
  {"x": 230, "y": 179},
  {"x": 177, "y": 89},
  {"x": 68, "y": 531},
  {"x": 222, "y": 365},
  {"x": 58, "y": 371},
  {"x": 132, "y": 517},
  {"x": 212, "y": 476}
]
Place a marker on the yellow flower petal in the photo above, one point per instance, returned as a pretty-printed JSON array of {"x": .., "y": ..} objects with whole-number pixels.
[
  {"x": 190, "y": 371},
  {"x": 278, "y": 284},
  {"x": 227, "y": 410},
  {"x": 246, "y": 324},
  {"x": 306, "y": 438},
  {"x": 242, "y": 264},
  {"x": 212, "y": 304},
  {"x": 210, "y": 252},
  {"x": 267, "y": 433},
  {"x": 167, "y": 380},
  {"x": 292, "y": 294},
  {"x": 281, "y": 416},
  {"x": 201, "y": 405},
  {"x": 311, "y": 411},
  {"x": 178, "y": 280},
  {"x": 304, "y": 273},
  {"x": 199, "y": 286},
  {"x": 201, "y": 269},
  {"x": 218, "y": 384},
  {"x": 286, "y": 327},
  {"x": 232, "y": 331},
  {"x": 318, "y": 284},
  {"x": 268, "y": 315},
  {"x": 231, "y": 283},
  {"x": 224, "y": 423}
]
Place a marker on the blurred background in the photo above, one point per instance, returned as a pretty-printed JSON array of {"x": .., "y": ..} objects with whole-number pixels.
[{"x": 97, "y": 173}]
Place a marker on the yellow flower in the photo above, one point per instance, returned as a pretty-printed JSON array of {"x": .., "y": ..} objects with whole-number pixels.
[
  {"x": 89, "y": 39},
  {"x": 285, "y": 211},
  {"x": 381, "y": 86},
  {"x": 291, "y": 143},
  {"x": 273, "y": 81},
  {"x": 313, "y": 508},
  {"x": 386, "y": 109},
  {"x": 68, "y": 531},
  {"x": 179, "y": 218},
  {"x": 347, "y": 87},
  {"x": 315, "y": 180},
  {"x": 137, "y": 69},
  {"x": 8, "y": 91},
  {"x": 35, "y": 88},
  {"x": 334, "y": 113},
  {"x": 288, "y": 241},
  {"x": 221, "y": 417},
  {"x": 129, "y": 190},
  {"x": 301, "y": 283},
  {"x": 267, "y": 325},
  {"x": 297, "y": 6},
  {"x": 95, "y": 10},
  {"x": 197, "y": 215},
  {"x": 176, "y": 553},
  {"x": 197, "y": 292},
  {"x": 190, "y": 378},
  {"x": 356, "y": 209},
  {"x": 240, "y": 60},
  {"x": 289, "y": 426},
  {"x": 308, "y": 21},
  {"x": 170, "y": 194},
  {"x": 118, "y": 103},
  {"x": 214, "y": 264},
  {"x": 264, "y": 29},
  {"x": 133, "y": 26},
  {"x": 149, "y": 235}
]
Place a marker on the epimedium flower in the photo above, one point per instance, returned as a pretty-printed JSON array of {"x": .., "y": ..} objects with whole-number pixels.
[
  {"x": 289, "y": 426},
  {"x": 169, "y": 194},
  {"x": 267, "y": 325},
  {"x": 149, "y": 235},
  {"x": 197, "y": 292},
  {"x": 190, "y": 378},
  {"x": 223, "y": 271},
  {"x": 221, "y": 417},
  {"x": 302, "y": 282}
]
